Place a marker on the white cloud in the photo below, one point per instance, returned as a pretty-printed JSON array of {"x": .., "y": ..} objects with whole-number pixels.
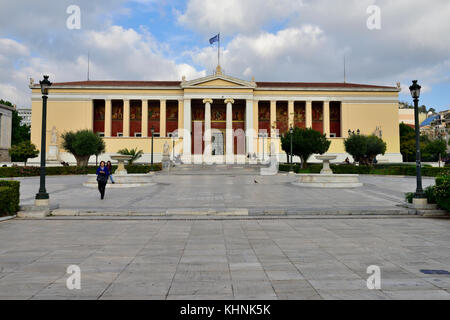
[
  {"x": 116, "y": 53},
  {"x": 296, "y": 54},
  {"x": 235, "y": 16}
]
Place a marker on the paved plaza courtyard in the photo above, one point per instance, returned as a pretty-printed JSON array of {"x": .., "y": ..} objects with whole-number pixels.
[
  {"x": 232, "y": 190},
  {"x": 252, "y": 258},
  {"x": 291, "y": 243}
]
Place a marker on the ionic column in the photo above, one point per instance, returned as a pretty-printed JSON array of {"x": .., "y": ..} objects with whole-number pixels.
[
  {"x": 208, "y": 147},
  {"x": 162, "y": 119},
  {"x": 187, "y": 131},
  {"x": 126, "y": 118},
  {"x": 309, "y": 114},
  {"x": 180, "y": 118},
  {"x": 108, "y": 118},
  {"x": 249, "y": 127},
  {"x": 91, "y": 116},
  {"x": 144, "y": 118},
  {"x": 229, "y": 131},
  {"x": 273, "y": 118},
  {"x": 326, "y": 118},
  {"x": 291, "y": 113}
]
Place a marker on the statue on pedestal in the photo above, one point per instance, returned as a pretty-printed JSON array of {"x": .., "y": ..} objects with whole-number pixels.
[
  {"x": 166, "y": 156},
  {"x": 53, "y": 150}
]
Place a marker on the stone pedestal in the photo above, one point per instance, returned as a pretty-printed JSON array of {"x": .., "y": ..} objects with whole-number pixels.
[
  {"x": 41, "y": 209},
  {"x": 53, "y": 153},
  {"x": 328, "y": 181},
  {"x": 4, "y": 155},
  {"x": 326, "y": 163},
  {"x": 121, "y": 164},
  {"x": 420, "y": 203}
]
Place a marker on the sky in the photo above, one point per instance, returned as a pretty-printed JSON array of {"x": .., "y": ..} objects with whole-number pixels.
[{"x": 383, "y": 42}]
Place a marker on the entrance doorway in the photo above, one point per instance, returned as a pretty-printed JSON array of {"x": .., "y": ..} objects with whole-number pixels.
[{"x": 217, "y": 141}]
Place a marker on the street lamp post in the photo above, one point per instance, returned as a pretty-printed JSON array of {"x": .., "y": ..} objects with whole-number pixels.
[
  {"x": 291, "y": 131},
  {"x": 415, "y": 93},
  {"x": 45, "y": 84},
  {"x": 151, "y": 162}
]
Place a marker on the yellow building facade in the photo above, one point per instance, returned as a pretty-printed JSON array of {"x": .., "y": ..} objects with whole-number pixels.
[{"x": 214, "y": 119}]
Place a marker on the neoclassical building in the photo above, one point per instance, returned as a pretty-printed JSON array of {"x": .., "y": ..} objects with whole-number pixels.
[{"x": 216, "y": 118}]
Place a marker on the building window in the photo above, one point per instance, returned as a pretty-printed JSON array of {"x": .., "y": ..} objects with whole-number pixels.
[
  {"x": 99, "y": 116},
  {"x": 264, "y": 118},
  {"x": 117, "y": 117},
  {"x": 154, "y": 109},
  {"x": 300, "y": 114},
  {"x": 335, "y": 119},
  {"x": 282, "y": 117},
  {"x": 317, "y": 116},
  {"x": 135, "y": 117},
  {"x": 171, "y": 116}
]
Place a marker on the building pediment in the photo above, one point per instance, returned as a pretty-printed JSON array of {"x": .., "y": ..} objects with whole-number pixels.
[{"x": 218, "y": 81}]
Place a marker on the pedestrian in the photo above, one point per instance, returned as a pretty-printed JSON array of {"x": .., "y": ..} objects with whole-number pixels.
[
  {"x": 102, "y": 178},
  {"x": 109, "y": 167}
]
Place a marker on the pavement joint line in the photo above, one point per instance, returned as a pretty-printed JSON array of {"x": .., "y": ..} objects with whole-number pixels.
[{"x": 236, "y": 218}]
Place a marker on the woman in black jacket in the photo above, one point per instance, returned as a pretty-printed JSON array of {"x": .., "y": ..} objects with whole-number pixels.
[{"x": 102, "y": 178}]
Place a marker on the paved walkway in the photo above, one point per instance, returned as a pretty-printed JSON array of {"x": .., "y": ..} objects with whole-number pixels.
[
  {"x": 236, "y": 190},
  {"x": 230, "y": 259}
]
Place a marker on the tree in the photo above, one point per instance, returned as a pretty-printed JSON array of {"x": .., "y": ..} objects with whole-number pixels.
[
  {"x": 134, "y": 153},
  {"x": 435, "y": 148},
  {"x": 364, "y": 149},
  {"x": 83, "y": 144},
  {"x": 19, "y": 132},
  {"x": 305, "y": 142},
  {"x": 375, "y": 146},
  {"x": 407, "y": 142},
  {"x": 23, "y": 151}
]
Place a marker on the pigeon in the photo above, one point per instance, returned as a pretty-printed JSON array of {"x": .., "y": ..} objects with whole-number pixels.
[{"x": 256, "y": 181}]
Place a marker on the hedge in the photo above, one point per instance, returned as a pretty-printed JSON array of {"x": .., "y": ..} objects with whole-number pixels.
[
  {"x": 9, "y": 197},
  {"x": 384, "y": 169},
  {"x": 442, "y": 192},
  {"x": 17, "y": 171}
]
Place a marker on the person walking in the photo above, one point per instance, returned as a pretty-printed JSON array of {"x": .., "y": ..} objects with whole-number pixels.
[
  {"x": 102, "y": 178},
  {"x": 109, "y": 167}
]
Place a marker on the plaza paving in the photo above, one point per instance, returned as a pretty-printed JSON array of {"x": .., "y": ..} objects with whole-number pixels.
[
  {"x": 295, "y": 258},
  {"x": 218, "y": 190}
]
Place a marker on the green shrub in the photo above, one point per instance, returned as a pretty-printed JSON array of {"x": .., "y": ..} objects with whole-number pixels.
[
  {"x": 23, "y": 151},
  {"x": 83, "y": 144},
  {"x": 134, "y": 153},
  {"x": 364, "y": 149},
  {"x": 442, "y": 192},
  {"x": 409, "y": 197},
  {"x": 305, "y": 142},
  {"x": 9, "y": 197},
  {"x": 71, "y": 170},
  {"x": 430, "y": 192}
]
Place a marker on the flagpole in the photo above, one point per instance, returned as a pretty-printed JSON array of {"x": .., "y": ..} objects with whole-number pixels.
[{"x": 218, "y": 52}]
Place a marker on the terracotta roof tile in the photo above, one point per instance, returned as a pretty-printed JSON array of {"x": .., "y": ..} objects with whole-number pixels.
[
  {"x": 318, "y": 85},
  {"x": 114, "y": 83}
]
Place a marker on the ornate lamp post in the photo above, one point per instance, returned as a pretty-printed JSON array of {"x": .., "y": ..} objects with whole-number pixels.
[
  {"x": 291, "y": 131},
  {"x": 151, "y": 162},
  {"x": 415, "y": 93},
  {"x": 42, "y": 194}
]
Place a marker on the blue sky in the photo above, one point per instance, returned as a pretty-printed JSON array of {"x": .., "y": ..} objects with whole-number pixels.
[{"x": 282, "y": 40}]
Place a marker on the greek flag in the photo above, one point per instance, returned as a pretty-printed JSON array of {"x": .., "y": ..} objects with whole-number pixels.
[{"x": 214, "y": 39}]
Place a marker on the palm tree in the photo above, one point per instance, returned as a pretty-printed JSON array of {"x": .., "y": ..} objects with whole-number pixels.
[{"x": 134, "y": 153}]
